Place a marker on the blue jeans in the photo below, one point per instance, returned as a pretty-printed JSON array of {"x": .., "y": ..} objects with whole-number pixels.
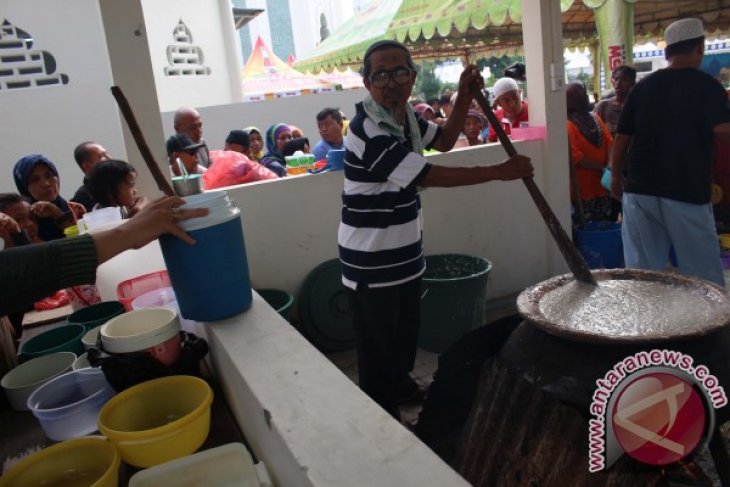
[{"x": 651, "y": 225}]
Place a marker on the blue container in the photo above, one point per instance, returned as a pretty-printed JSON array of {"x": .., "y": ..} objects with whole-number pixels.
[
  {"x": 336, "y": 159},
  {"x": 210, "y": 278},
  {"x": 601, "y": 245}
]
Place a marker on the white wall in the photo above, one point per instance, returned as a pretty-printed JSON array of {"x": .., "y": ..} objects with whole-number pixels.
[
  {"x": 52, "y": 120},
  {"x": 211, "y": 25},
  {"x": 298, "y": 110},
  {"x": 306, "y": 22}
]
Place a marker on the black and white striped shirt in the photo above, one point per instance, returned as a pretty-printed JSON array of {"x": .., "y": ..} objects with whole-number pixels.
[{"x": 379, "y": 237}]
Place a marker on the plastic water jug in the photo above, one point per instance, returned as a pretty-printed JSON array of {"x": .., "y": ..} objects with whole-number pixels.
[
  {"x": 124, "y": 266},
  {"x": 210, "y": 278}
]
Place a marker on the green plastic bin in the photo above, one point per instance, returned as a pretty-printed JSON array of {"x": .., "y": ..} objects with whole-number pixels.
[
  {"x": 280, "y": 300},
  {"x": 454, "y": 301}
]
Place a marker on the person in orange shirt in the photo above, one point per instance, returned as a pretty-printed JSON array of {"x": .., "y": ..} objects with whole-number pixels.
[{"x": 590, "y": 146}]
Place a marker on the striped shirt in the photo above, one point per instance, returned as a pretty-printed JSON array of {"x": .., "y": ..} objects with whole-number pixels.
[{"x": 379, "y": 237}]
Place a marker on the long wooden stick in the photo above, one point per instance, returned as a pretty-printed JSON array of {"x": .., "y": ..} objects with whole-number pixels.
[
  {"x": 576, "y": 262},
  {"x": 162, "y": 183}
]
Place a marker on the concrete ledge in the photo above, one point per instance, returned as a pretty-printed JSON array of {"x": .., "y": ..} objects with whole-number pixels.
[{"x": 304, "y": 418}]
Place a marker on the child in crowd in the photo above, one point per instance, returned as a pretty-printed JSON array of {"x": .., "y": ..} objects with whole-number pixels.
[
  {"x": 473, "y": 126},
  {"x": 113, "y": 183}
]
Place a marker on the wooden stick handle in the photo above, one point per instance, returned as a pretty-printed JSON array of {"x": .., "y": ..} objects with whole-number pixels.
[
  {"x": 575, "y": 260},
  {"x": 162, "y": 183}
]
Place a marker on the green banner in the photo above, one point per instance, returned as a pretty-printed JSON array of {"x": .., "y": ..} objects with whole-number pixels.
[{"x": 615, "y": 24}]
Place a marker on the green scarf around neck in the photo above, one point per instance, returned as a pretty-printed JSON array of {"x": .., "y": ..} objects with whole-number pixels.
[{"x": 387, "y": 121}]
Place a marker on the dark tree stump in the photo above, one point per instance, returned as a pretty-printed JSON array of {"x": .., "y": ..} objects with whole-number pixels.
[{"x": 518, "y": 435}]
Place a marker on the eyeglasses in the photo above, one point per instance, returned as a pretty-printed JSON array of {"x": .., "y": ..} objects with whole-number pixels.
[{"x": 401, "y": 76}]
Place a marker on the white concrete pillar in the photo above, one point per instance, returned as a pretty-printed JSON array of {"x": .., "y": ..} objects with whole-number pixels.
[
  {"x": 233, "y": 50},
  {"x": 543, "y": 44},
  {"x": 129, "y": 56}
]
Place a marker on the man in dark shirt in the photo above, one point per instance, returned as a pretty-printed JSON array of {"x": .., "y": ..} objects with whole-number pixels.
[
  {"x": 661, "y": 160},
  {"x": 187, "y": 121},
  {"x": 87, "y": 155}
]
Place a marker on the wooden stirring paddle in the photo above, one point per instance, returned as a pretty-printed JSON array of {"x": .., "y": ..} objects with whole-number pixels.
[
  {"x": 162, "y": 183},
  {"x": 575, "y": 260}
]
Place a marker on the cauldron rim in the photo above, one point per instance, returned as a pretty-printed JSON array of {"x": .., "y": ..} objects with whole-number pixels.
[{"x": 528, "y": 305}]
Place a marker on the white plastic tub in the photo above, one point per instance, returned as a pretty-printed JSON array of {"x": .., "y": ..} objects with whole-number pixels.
[
  {"x": 225, "y": 466},
  {"x": 21, "y": 381}
]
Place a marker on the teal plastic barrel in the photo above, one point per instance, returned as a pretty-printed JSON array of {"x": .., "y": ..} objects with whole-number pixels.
[
  {"x": 454, "y": 302},
  {"x": 280, "y": 300}
]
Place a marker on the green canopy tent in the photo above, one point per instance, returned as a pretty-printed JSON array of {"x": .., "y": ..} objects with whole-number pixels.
[{"x": 442, "y": 29}]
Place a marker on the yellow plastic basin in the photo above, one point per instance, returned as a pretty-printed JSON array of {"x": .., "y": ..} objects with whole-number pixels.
[
  {"x": 158, "y": 420},
  {"x": 88, "y": 461}
]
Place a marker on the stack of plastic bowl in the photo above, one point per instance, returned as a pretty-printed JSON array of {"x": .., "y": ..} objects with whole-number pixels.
[
  {"x": 96, "y": 314},
  {"x": 66, "y": 338},
  {"x": 158, "y": 420},
  {"x": 131, "y": 289},
  {"x": 67, "y": 406},
  {"x": 91, "y": 460},
  {"x": 21, "y": 381},
  {"x": 155, "y": 330},
  {"x": 163, "y": 297}
]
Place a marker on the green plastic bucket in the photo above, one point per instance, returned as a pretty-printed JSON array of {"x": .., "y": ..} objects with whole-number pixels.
[
  {"x": 65, "y": 338},
  {"x": 454, "y": 301},
  {"x": 280, "y": 300},
  {"x": 96, "y": 314}
]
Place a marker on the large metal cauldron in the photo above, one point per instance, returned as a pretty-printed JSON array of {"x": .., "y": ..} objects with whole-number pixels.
[{"x": 565, "y": 359}]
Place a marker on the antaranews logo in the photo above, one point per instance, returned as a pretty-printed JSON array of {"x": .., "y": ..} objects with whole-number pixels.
[{"x": 656, "y": 406}]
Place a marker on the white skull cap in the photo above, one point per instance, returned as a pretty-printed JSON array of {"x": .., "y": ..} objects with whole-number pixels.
[
  {"x": 683, "y": 30},
  {"x": 503, "y": 85}
]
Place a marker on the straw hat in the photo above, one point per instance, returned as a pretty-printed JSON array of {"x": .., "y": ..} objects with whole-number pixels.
[{"x": 683, "y": 30}]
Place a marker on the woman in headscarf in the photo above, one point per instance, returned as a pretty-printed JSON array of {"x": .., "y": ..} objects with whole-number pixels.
[
  {"x": 37, "y": 178},
  {"x": 256, "y": 142},
  {"x": 276, "y": 137},
  {"x": 590, "y": 146}
]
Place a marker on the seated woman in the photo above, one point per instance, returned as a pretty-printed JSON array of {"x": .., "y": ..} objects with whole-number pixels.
[
  {"x": 277, "y": 135},
  {"x": 37, "y": 178},
  {"x": 112, "y": 183},
  {"x": 590, "y": 146},
  {"x": 300, "y": 144},
  {"x": 256, "y": 143}
]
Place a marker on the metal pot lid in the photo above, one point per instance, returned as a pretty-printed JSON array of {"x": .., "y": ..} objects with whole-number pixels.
[{"x": 627, "y": 306}]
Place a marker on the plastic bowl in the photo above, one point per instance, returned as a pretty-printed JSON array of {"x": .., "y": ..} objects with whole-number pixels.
[
  {"x": 96, "y": 314},
  {"x": 66, "y": 338},
  {"x": 82, "y": 362},
  {"x": 158, "y": 420},
  {"x": 91, "y": 460},
  {"x": 128, "y": 291},
  {"x": 90, "y": 337},
  {"x": 68, "y": 406},
  {"x": 20, "y": 382},
  {"x": 229, "y": 464},
  {"x": 156, "y": 330}
]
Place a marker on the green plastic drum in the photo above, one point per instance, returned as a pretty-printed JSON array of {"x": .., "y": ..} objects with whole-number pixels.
[{"x": 454, "y": 301}]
